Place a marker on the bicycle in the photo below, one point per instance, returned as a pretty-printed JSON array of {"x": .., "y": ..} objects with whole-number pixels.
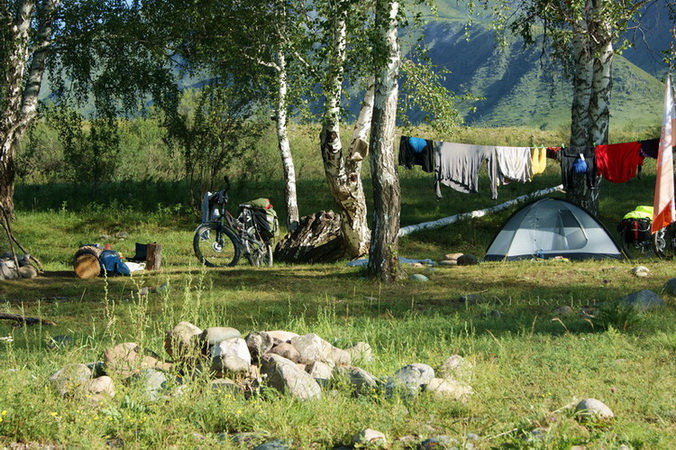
[
  {"x": 635, "y": 238},
  {"x": 222, "y": 239},
  {"x": 664, "y": 241}
]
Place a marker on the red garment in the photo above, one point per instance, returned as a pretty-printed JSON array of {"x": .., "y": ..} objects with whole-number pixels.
[{"x": 618, "y": 163}]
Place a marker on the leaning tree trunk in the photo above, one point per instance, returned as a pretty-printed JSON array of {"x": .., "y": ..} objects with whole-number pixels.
[
  {"x": 343, "y": 173},
  {"x": 383, "y": 255},
  {"x": 21, "y": 100},
  {"x": 290, "y": 195}
]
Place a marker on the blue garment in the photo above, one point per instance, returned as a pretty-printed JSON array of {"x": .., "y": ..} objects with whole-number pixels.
[
  {"x": 417, "y": 144},
  {"x": 112, "y": 264}
]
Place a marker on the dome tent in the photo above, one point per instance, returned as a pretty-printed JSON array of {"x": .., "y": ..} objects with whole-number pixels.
[{"x": 551, "y": 227}]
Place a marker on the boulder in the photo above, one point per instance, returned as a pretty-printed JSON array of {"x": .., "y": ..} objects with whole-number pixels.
[
  {"x": 642, "y": 300},
  {"x": 101, "y": 388},
  {"x": 279, "y": 336},
  {"x": 283, "y": 375},
  {"x": 128, "y": 358},
  {"x": 287, "y": 351},
  {"x": 225, "y": 386},
  {"x": 452, "y": 256},
  {"x": 449, "y": 389},
  {"x": 412, "y": 378},
  {"x": 311, "y": 348},
  {"x": 593, "y": 409},
  {"x": 563, "y": 311},
  {"x": 370, "y": 438},
  {"x": 153, "y": 382},
  {"x": 259, "y": 343},
  {"x": 28, "y": 272},
  {"x": 230, "y": 356},
  {"x": 670, "y": 286},
  {"x": 467, "y": 260},
  {"x": 320, "y": 371},
  {"x": 360, "y": 353},
  {"x": 418, "y": 277},
  {"x": 457, "y": 368},
  {"x": 359, "y": 379},
  {"x": 71, "y": 379},
  {"x": 181, "y": 342},
  {"x": 215, "y": 335}
]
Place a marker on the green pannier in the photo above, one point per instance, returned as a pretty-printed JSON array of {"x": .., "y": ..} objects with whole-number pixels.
[{"x": 264, "y": 216}]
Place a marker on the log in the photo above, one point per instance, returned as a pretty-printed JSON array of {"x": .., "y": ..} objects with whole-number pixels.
[
  {"x": 153, "y": 256},
  {"x": 405, "y": 231},
  {"x": 28, "y": 320},
  {"x": 317, "y": 239},
  {"x": 86, "y": 262}
]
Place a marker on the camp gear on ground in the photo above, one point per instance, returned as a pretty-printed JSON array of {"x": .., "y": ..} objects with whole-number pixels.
[{"x": 262, "y": 215}]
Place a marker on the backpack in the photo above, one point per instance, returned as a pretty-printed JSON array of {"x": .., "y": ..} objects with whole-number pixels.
[
  {"x": 264, "y": 217},
  {"x": 637, "y": 223}
]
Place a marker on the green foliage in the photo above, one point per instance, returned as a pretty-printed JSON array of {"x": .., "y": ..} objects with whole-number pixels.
[{"x": 617, "y": 315}]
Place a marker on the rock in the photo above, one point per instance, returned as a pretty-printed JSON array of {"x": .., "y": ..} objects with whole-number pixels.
[
  {"x": 275, "y": 444},
  {"x": 283, "y": 375},
  {"x": 563, "y": 311},
  {"x": 122, "y": 235},
  {"x": 28, "y": 272},
  {"x": 230, "y": 356},
  {"x": 8, "y": 270},
  {"x": 259, "y": 343},
  {"x": 216, "y": 335},
  {"x": 457, "y": 368},
  {"x": 320, "y": 371},
  {"x": 418, "y": 277},
  {"x": 153, "y": 382},
  {"x": 670, "y": 286},
  {"x": 492, "y": 314},
  {"x": 281, "y": 336},
  {"x": 439, "y": 442},
  {"x": 467, "y": 260},
  {"x": 360, "y": 353},
  {"x": 370, "y": 438},
  {"x": 98, "y": 368},
  {"x": 591, "y": 408},
  {"x": 181, "y": 342},
  {"x": 412, "y": 378},
  {"x": 640, "y": 271},
  {"x": 101, "y": 388},
  {"x": 643, "y": 300},
  {"x": 287, "y": 351},
  {"x": 249, "y": 439},
  {"x": 128, "y": 358},
  {"x": 71, "y": 379},
  {"x": 360, "y": 380},
  {"x": 225, "y": 386},
  {"x": 311, "y": 348},
  {"x": 452, "y": 256},
  {"x": 450, "y": 389}
]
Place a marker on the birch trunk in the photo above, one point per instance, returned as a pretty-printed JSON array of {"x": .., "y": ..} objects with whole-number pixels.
[
  {"x": 343, "y": 174},
  {"x": 21, "y": 100},
  {"x": 383, "y": 255},
  {"x": 290, "y": 195},
  {"x": 602, "y": 84}
]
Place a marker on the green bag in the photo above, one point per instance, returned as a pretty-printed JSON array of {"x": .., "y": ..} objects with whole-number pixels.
[{"x": 264, "y": 216}]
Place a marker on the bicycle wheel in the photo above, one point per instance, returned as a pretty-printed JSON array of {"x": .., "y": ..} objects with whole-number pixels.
[
  {"x": 664, "y": 241},
  {"x": 216, "y": 245},
  {"x": 261, "y": 254},
  {"x": 635, "y": 248}
]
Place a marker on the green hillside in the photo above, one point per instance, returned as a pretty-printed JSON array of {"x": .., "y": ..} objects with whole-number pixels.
[{"x": 521, "y": 88}]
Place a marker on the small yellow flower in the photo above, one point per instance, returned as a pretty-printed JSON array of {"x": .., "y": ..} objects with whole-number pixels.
[
  {"x": 53, "y": 413},
  {"x": 3, "y": 413},
  {"x": 0, "y": 419}
]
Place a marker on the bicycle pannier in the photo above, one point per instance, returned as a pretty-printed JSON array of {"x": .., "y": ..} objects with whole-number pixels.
[{"x": 265, "y": 217}]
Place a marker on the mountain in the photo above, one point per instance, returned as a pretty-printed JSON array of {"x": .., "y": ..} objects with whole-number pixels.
[{"x": 521, "y": 87}]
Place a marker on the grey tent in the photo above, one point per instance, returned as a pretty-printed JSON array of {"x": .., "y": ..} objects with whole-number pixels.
[{"x": 552, "y": 227}]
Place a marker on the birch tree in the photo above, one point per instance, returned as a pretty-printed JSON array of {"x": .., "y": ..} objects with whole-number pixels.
[
  {"x": 583, "y": 35},
  {"x": 383, "y": 255},
  {"x": 26, "y": 37}
]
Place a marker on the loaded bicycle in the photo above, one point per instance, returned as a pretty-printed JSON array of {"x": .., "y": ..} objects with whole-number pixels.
[
  {"x": 636, "y": 238},
  {"x": 221, "y": 239}
]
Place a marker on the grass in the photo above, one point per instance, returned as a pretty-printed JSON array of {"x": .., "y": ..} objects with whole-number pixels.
[{"x": 528, "y": 363}]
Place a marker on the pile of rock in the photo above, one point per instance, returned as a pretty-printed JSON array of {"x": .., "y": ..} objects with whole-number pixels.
[
  {"x": 9, "y": 270},
  {"x": 302, "y": 366}
]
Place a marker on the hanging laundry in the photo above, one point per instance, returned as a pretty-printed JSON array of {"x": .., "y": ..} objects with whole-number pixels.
[
  {"x": 514, "y": 164},
  {"x": 618, "y": 163},
  {"x": 538, "y": 160},
  {"x": 554, "y": 153},
  {"x": 414, "y": 151},
  {"x": 571, "y": 163},
  {"x": 650, "y": 147},
  {"x": 457, "y": 166}
]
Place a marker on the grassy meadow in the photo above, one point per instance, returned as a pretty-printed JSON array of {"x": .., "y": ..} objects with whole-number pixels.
[{"x": 528, "y": 363}]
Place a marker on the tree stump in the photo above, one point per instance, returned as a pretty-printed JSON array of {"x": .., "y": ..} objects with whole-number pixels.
[
  {"x": 317, "y": 239},
  {"x": 86, "y": 262},
  {"x": 153, "y": 256}
]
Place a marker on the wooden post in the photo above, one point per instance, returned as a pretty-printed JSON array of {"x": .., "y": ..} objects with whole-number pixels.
[{"x": 153, "y": 256}]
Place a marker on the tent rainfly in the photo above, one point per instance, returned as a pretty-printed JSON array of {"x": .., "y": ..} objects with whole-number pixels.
[{"x": 552, "y": 227}]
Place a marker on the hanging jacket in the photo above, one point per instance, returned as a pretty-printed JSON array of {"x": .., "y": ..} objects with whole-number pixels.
[
  {"x": 618, "y": 163},
  {"x": 458, "y": 165},
  {"x": 415, "y": 151}
]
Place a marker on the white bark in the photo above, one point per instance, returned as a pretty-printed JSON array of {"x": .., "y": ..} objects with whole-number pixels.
[
  {"x": 290, "y": 194},
  {"x": 405, "y": 231},
  {"x": 343, "y": 171},
  {"x": 383, "y": 259},
  {"x": 582, "y": 85},
  {"x": 602, "y": 84}
]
